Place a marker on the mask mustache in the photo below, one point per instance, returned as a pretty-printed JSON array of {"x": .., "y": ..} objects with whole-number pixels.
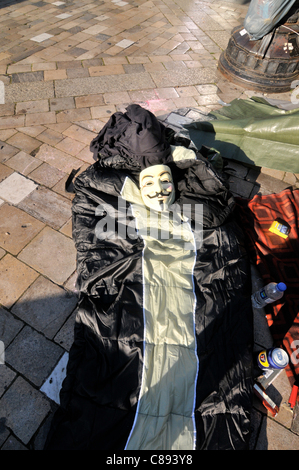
[{"x": 165, "y": 194}]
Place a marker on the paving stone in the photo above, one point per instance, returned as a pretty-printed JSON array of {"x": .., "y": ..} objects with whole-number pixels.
[
  {"x": 47, "y": 206},
  {"x": 7, "y": 109},
  {"x": 206, "y": 100},
  {"x": 72, "y": 115},
  {"x": 33, "y": 131},
  {"x": 65, "y": 336},
  {"x": 183, "y": 77},
  {"x": 24, "y": 408},
  {"x": 37, "y": 358},
  {"x": 6, "y": 377},
  {"x": 4, "y": 433},
  {"x": 27, "y": 77},
  {"x": 93, "y": 125},
  {"x": 280, "y": 391},
  {"x": 9, "y": 327},
  {"x": 61, "y": 104},
  {"x": 47, "y": 175},
  {"x": 102, "y": 111},
  {"x": 15, "y": 188},
  {"x": 40, "y": 118},
  {"x": 27, "y": 91},
  {"x": 6, "y": 134},
  {"x": 41, "y": 37},
  {"x": 17, "y": 228},
  {"x": 273, "y": 436},
  {"x": 77, "y": 73},
  {"x": 16, "y": 277},
  {"x": 7, "y": 151},
  {"x": 271, "y": 185},
  {"x": 45, "y": 306},
  {"x": 55, "y": 74},
  {"x": 278, "y": 174},
  {"x": 23, "y": 142},
  {"x": 23, "y": 163},
  {"x": 51, "y": 137},
  {"x": 49, "y": 245},
  {"x": 96, "y": 29},
  {"x": 39, "y": 440},
  {"x": 71, "y": 146},
  {"x": 105, "y": 84},
  {"x": 12, "y": 121},
  {"x": 67, "y": 228},
  {"x": 86, "y": 155},
  {"x": 106, "y": 70},
  {"x": 43, "y": 66},
  {"x": 115, "y": 98},
  {"x": 40, "y": 106},
  {"x": 59, "y": 188},
  {"x": 88, "y": 101},
  {"x": 13, "y": 444},
  {"x": 18, "y": 68},
  {"x": 70, "y": 64},
  {"x": 81, "y": 135},
  {"x": 56, "y": 158}
]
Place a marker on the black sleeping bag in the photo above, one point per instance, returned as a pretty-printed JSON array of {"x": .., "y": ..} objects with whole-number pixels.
[{"x": 162, "y": 354}]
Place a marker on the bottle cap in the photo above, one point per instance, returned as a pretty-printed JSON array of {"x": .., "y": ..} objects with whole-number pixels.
[{"x": 281, "y": 286}]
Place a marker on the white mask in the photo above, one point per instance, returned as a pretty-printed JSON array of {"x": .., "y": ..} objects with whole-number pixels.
[{"x": 157, "y": 188}]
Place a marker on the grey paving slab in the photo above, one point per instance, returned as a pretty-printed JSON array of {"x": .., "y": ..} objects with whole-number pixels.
[
  {"x": 65, "y": 336},
  {"x": 9, "y": 326},
  {"x": 17, "y": 92},
  {"x": 12, "y": 443},
  {"x": 23, "y": 408},
  {"x": 184, "y": 77},
  {"x": 33, "y": 355},
  {"x": 45, "y": 306},
  {"x": 7, "y": 375},
  {"x": 104, "y": 84},
  {"x": 27, "y": 77}
]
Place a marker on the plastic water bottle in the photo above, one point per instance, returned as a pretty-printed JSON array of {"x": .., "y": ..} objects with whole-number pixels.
[{"x": 268, "y": 294}]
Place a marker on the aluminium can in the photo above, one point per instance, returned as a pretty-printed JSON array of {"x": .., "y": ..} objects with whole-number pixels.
[{"x": 274, "y": 358}]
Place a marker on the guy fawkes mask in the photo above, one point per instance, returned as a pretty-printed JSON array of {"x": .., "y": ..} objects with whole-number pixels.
[{"x": 157, "y": 188}]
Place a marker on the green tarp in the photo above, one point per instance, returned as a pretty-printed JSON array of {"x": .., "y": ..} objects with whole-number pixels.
[{"x": 254, "y": 132}]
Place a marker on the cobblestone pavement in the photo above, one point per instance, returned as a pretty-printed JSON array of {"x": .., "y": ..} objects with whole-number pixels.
[{"x": 66, "y": 67}]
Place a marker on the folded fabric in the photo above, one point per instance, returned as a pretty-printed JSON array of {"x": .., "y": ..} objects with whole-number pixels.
[{"x": 253, "y": 132}]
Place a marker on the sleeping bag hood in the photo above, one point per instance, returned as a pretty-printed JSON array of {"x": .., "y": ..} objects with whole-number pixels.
[{"x": 162, "y": 352}]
